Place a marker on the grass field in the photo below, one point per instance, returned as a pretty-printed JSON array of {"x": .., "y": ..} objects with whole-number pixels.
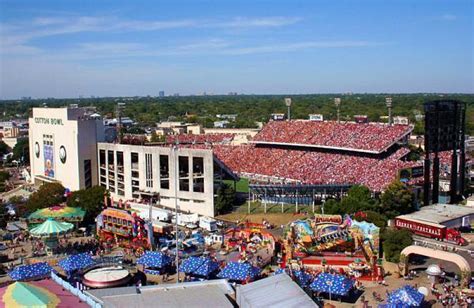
[
  {"x": 274, "y": 213},
  {"x": 242, "y": 186}
]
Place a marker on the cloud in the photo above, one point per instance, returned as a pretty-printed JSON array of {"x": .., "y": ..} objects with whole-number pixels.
[
  {"x": 242, "y": 22},
  {"x": 447, "y": 17}
]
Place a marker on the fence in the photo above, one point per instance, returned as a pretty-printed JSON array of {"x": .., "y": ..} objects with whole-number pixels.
[{"x": 75, "y": 291}]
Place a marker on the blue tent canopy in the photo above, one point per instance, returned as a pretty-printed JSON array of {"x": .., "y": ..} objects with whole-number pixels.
[
  {"x": 199, "y": 266},
  {"x": 332, "y": 283},
  {"x": 33, "y": 271},
  {"x": 154, "y": 259},
  {"x": 239, "y": 271},
  {"x": 206, "y": 268},
  {"x": 76, "y": 262},
  {"x": 406, "y": 296},
  {"x": 303, "y": 278}
]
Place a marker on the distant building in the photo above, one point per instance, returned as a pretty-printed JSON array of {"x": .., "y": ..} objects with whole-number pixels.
[
  {"x": 63, "y": 143},
  {"x": 230, "y": 117},
  {"x": 161, "y": 94},
  {"x": 398, "y": 120},
  {"x": 221, "y": 124}
]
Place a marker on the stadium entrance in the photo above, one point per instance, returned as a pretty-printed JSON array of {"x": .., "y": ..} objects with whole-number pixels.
[{"x": 294, "y": 194}]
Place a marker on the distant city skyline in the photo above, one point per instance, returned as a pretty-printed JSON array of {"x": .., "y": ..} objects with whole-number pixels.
[{"x": 137, "y": 48}]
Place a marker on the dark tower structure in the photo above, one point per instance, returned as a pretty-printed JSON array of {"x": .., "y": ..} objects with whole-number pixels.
[{"x": 445, "y": 131}]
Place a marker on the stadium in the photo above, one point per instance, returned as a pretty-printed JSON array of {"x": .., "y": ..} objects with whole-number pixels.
[{"x": 303, "y": 161}]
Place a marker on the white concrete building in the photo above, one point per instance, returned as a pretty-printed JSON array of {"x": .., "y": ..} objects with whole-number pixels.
[
  {"x": 129, "y": 170},
  {"x": 63, "y": 147}
]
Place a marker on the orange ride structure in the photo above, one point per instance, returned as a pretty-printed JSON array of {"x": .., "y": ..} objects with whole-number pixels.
[
  {"x": 333, "y": 240},
  {"x": 116, "y": 226}
]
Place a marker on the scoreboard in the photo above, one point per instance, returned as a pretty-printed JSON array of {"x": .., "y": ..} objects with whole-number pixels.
[{"x": 443, "y": 122}]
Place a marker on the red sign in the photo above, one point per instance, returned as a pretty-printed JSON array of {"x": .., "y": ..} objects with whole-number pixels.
[{"x": 420, "y": 228}]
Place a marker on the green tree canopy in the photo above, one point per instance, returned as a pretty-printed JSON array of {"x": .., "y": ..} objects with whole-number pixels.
[
  {"x": 225, "y": 199},
  {"x": 359, "y": 198},
  {"x": 397, "y": 200},
  {"x": 4, "y": 149},
  {"x": 394, "y": 241},
  {"x": 21, "y": 151},
  {"x": 47, "y": 195},
  {"x": 91, "y": 200}
]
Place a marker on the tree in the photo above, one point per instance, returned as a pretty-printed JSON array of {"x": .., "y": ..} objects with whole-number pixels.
[
  {"x": 4, "y": 149},
  {"x": 333, "y": 207},
  {"x": 359, "y": 198},
  {"x": 394, "y": 241},
  {"x": 4, "y": 176},
  {"x": 47, "y": 195},
  {"x": 21, "y": 151},
  {"x": 225, "y": 199},
  {"x": 397, "y": 200},
  {"x": 90, "y": 199}
]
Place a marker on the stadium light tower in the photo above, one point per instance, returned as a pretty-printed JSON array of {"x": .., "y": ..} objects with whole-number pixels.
[
  {"x": 337, "y": 102},
  {"x": 388, "y": 102},
  {"x": 288, "y": 104},
  {"x": 119, "y": 109}
]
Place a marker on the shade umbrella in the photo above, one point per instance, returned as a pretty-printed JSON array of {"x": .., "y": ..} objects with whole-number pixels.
[
  {"x": 23, "y": 294},
  {"x": 302, "y": 278},
  {"x": 191, "y": 264},
  {"x": 51, "y": 227},
  {"x": 76, "y": 262},
  {"x": 406, "y": 296},
  {"x": 208, "y": 267},
  {"x": 58, "y": 212},
  {"x": 32, "y": 271},
  {"x": 239, "y": 271},
  {"x": 332, "y": 284},
  {"x": 154, "y": 259}
]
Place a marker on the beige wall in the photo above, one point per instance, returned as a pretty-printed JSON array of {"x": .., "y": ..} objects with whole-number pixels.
[
  {"x": 196, "y": 202},
  {"x": 69, "y": 128}
]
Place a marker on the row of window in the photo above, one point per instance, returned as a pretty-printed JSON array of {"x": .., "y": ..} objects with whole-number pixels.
[{"x": 183, "y": 170}]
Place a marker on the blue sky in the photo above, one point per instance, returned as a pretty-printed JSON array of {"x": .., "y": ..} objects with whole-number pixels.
[{"x": 122, "y": 48}]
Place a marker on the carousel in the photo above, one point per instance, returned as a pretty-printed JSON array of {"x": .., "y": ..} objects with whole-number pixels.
[{"x": 49, "y": 231}]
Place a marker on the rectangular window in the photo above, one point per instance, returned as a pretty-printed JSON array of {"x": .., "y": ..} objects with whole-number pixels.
[
  {"x": 198, "y": 185},
  {"x": 110, "y": 155},
  {"x": 102, "y": 158},
  {"x": 134, "y": 158},
  {"x": 149, "y": 170},
  {"x": 198, "y": 166},
  {"x": 87, "y": 173},
  {"x": 119, "y": 162},
  {"x": 184, "y": 184},
  {"x": 183, "y": 166},
  {"x": 164, "y": 172}
]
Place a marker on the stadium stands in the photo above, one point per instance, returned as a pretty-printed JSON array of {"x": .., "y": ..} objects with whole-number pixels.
[
  {"x": 371, "y": 138},
  {"x": 200, "y": 139},
  {"x": 313, "y": 167}
]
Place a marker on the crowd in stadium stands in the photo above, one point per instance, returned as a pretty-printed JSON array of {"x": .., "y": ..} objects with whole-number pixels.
[
  {"x": 372, "y": 137},
  {"x": 200, "y": 139},
  {"x": 313, "y": 167}
]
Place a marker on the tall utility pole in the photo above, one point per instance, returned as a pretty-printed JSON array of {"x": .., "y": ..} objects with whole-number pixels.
[
  {"x": 388, "y": 102},
  {"x": 288, "y": 104},
  {"x": 337, "y": 102},
  {"x": 118, "y": 112},
  {"x": 175, "y": 151}
]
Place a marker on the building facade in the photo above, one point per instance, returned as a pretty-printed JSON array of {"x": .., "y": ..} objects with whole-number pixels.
[
  {"x": 182, "y": 174},
  {"x": 63, "y": 147}
]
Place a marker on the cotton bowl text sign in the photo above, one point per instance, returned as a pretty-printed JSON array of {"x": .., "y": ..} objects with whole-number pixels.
[{"x": 52, "y": 121}]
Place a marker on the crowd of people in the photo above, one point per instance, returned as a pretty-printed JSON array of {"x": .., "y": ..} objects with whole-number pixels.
[
  {"x": 70, "y": 248},
  {"x": 200, "y": 138},
  {"x": 314, "y": 167},
  {"x": 448, "y": 296},
  {"x": 348, "y": 135}
]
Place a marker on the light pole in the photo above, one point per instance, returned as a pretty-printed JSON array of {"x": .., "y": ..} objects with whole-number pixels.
[
  {"x": 337, "y": 102},
  {"x": 388, "y": 102},
  {"x": 175, "y": 151},
  {"x": 288, "y": 104}
]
